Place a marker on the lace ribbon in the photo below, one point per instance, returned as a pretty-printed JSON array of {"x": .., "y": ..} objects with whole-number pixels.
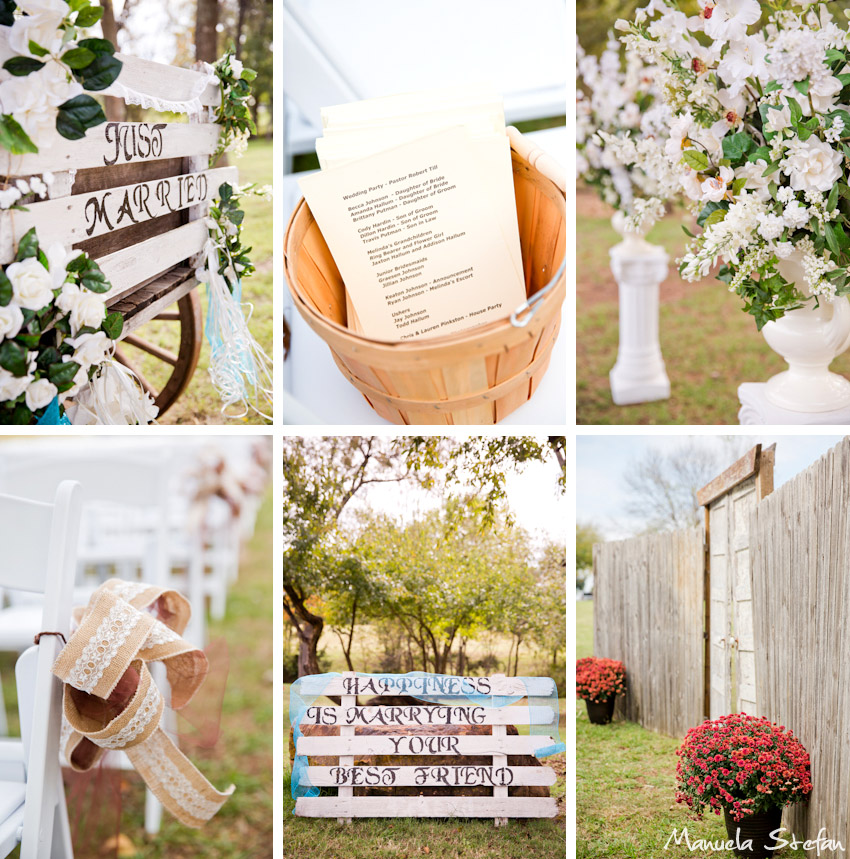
[
  {"x": 190, "y": 105},
  {"x": 125, "y": 626}
]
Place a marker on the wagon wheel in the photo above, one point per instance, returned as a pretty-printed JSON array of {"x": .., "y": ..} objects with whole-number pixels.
[{"x": 182, "y": 328}]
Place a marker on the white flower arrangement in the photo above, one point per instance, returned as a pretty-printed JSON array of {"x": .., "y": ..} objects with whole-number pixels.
[
  {"x": 761, "y": 100},
  {"x": 621, "y": 130},
  {"x": 48, "y": 66},
  {"x": 55, "y": 330}
]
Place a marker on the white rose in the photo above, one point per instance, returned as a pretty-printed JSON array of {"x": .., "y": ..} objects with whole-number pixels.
[
  {"x": 32, "y": 286},
  {"x": 40, "y": 393},
  {"x": 795, "y": 215},
  {"x": 57, "y": 260},
  {"x": 11, "y": 387},
  {"x": 756, "y": 182},
  {"x": 236, "y": 67},
  {"x": 714, "y": 188},
  {"x": 40, "y": 26},
  {"x": 90, "y": 349},
  {"x": 812, "y": 164},
  {"x": 11, "y": 320},
  {"x": 89, "y": 310},
  {"x": 9, "y": 196}
]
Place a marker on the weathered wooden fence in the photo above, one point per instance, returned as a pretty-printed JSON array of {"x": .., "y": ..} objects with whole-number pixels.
[
  {"x": 800, "y": 561},
  {"x": 648, "y": 613}
]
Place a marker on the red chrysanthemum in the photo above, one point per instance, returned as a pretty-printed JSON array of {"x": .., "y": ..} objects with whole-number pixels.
[
  {"x": 597, "y": 680},
  {"x": 742, "y": 763}
]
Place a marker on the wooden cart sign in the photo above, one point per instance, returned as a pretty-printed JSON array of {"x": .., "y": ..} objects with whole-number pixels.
[
  {"x": 472, "y": 693},
  {"x": 134, "y": 196}
]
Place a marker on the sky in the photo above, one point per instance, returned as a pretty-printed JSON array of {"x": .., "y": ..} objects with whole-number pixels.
[
  {"x": 532, "y": 495},
  {"x": 602, "y": 460}
]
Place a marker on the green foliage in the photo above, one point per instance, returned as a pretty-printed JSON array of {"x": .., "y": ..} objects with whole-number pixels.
[
  {"x": 233, "y": 114},
  {"x": 586, "y": 535}
]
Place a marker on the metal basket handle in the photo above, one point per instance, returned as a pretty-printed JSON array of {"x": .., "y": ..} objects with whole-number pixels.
[{"x": 531, "y": 305}]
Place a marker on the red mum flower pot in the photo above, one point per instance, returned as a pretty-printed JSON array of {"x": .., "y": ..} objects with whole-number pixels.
[
  {"x": 598, "y": 682},
  {"x": 600, "y": 712},
  {"x": 755, "y": 829}
]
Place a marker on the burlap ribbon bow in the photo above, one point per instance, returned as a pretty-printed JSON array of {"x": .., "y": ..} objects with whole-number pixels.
[{"x": 125, "y": 626}]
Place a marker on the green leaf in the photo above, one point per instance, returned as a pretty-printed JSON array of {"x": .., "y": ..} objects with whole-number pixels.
[
  {"x": 695, "y": 159},
  {"x": 773, "y": 86},
  {"x": 225, "y": 192},
  {"x": 13, "y": 137},
  {"x": 5, "y": 289},
  {"x": 771, "y": 168},
  {"x": 760, "y": 154},
  {"x": 831, "y": 239},
  {"x": 89, "y": 16},
  {"x": 248, "y": 74},
  {"x": 735, "y": 146},
  {"x": 738, "y": 185},
  {"x": 843, "y": 239},
  {"x": 845, "y": 79},
  {"x": 832, "y": 200},
  {"x": 802, "y": 87},
  {"x": 93, "y": 279},
  {"x": 97, "y": 46},
  {"x": 62, "y": 374},
  {"x": 47, "y": 357},
  {"x": 688, "y": 232},
  {"x": 22, "y": 66},
  {"x": 77, "y": 115},
  {"x": 37, "y": 49},
  {"x": 709, "y": 209},
  {"x": 715, "y": 217},
  {"x": 100, "y": 73},
  {"x": 113, "y": 325},
  {"x": 13, "y": 357},
  {"x": 27, "y": 246},
  {"x": 7, "y": 12},
  {"x": 835, "y": 56},
  {"x": 796, "y": 110},
  {"x": 77, "y": 58}
]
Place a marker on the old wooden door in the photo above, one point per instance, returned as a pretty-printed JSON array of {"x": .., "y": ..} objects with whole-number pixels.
[{"x": 730, "y": 659}]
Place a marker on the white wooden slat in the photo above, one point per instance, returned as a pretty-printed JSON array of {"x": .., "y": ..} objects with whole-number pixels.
[
  {"x": 348, "y": 702},
  {"x": 131, "y": 266},
  {"x": 452, "y": 687},
  {"x": 115, "y": 143},
  {"x": 426, "y": 806},
  {"x": 460, "y": 714},
  {"x": 430, "y": 776},
  {"x": 73, "y": 219},
  {"x": 422, "y": 745},
  {"x": 162, "y": 82}
]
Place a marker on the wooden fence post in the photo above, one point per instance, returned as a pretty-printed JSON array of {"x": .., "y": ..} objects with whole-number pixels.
[
  {"x": 500, "y": 761},
  {"x": 347, "y": 731}
]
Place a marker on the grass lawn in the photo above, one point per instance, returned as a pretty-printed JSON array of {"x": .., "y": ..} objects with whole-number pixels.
[
  {"x": 625, "y": 785},
  {"x": 200, "y": 403},
  {"x": 405, "y": 838},
  {"x": 243, "y": 753},
  {"x": 710, "y": 345}
]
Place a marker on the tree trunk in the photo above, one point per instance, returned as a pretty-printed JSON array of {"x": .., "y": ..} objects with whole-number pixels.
[
  {"x": 206, "y": 34},
  {"x": 115, "y": 109},
  {"x": 309, "y": 628},
  {"x": 240, "y": 25},
  {"x": 516, "y": 656}
]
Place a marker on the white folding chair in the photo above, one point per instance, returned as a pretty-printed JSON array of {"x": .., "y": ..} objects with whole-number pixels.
[
  {"x": 39, "y": 555},
  {"x": 123, "y": 488}
]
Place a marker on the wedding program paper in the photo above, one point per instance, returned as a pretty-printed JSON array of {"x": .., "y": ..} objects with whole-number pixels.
[{"x": 418, "y": 238}]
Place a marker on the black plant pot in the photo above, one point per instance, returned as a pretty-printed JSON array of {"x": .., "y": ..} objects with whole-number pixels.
[
  {"x": 600, "y": 713},
  {"x": 755, "y": 828}
]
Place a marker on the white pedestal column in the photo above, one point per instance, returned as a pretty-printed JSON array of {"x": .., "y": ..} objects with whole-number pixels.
[
  {"x": 639, "y": 268},
  {"x": 808, "y": 339}
]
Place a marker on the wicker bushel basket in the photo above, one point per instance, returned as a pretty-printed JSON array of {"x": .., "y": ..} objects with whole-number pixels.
[{"x": 473, "y": 377}]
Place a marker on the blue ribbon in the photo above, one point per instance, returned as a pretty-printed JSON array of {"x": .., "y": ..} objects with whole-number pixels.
[{"x": 52, "y": 416}]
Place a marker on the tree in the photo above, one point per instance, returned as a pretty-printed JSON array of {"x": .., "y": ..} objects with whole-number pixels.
[
  {"x": 586, "y": 536},
  {"x": 445, "y": 576},
  {"x": 320, "y": 477},
  {"x": 663, "y": 485},
  {"x": 206, "y": 31}
]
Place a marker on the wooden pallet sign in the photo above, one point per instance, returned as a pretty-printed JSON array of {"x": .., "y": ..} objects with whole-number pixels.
[{"x": 469, "y": 710}]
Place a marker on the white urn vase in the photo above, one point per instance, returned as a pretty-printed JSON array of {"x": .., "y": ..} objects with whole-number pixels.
[
  {"x": 809, "y": 339},
  {"x": 639, "y": 375}
]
